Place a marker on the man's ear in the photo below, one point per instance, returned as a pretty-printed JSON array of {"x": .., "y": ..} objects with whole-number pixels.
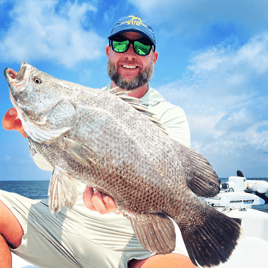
[
  {"x": 155, "y": 56},
  {"x": 108, "y": 51}
]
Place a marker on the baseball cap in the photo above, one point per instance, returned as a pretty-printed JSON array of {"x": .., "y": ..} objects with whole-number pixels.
[{"x": 135, "y": 24}]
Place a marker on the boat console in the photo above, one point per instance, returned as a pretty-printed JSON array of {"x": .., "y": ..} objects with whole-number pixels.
[{"x": 238, "y": 192}]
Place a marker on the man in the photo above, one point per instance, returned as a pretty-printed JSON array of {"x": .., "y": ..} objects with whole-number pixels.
[{"x": 80, "y": 237}]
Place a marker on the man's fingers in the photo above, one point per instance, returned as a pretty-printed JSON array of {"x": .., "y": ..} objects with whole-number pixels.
[
  {"x": 18, "y": 126},
  {"x": 9, "y": 119},
  {"x": 110, "y": 204},
  {"x": 87, "y": 198},
  {"x": 98, "y": 203},
  {"x": 12, "y": 122}
]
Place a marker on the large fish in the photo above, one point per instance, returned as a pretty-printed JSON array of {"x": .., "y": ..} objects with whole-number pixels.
[{"x": 110, "y": 142}]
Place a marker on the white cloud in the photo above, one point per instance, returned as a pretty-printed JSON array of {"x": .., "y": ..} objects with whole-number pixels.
[
  {"x": 46, "y": 30},
  {"x": 194, "y": 10},
  {"x": 254, "y": 54},
  {"x": 250, "y": 57},
  {"x": 196, "y": 22},
  {"x": 238, "y": 121},
  {"x": 225, "y": 96},
  {"x": 209, "y": 60}
]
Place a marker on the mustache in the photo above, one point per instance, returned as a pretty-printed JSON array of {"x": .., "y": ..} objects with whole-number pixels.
[{"x": 139, "y": 81}]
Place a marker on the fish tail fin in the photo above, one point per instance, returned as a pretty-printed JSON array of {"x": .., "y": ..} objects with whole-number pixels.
[
  {"x": 209, "y": 240},
  {"x": 62, "y": 192}
]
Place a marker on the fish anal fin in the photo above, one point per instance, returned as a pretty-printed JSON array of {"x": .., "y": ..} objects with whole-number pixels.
[
  {"x": 202, "y": 179},
  {"x": 62, "y": 191},
  {"x": 209, "y": 239},
  {"x": 155, "y": 232}
]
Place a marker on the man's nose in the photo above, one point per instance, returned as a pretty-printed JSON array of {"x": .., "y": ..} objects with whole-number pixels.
[{"x": 130, "y": 53}]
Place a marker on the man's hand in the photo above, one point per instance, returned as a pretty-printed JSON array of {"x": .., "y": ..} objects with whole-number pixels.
[
  {"x": 12, "y": 122},
  {"x": 96, "y": 201}
]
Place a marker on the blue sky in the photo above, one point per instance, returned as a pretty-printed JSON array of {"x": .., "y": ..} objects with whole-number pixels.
[{"x": 213, "y": 62}]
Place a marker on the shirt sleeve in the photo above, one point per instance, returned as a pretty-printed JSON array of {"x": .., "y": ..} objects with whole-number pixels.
[
  {"x": 39, "y": 160},
  {"x": 174, "y": 120},
  {"x": 42, "y": 163}
]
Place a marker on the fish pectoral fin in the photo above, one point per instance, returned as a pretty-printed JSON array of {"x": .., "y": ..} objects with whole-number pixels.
[
  {"x": 209, "y": 236},
  {"x": 79, "y": 152},
  {"x": 202, "y": 179},
  {"x": 62, "y": 191},
  {"x": 155, "y": 232}
]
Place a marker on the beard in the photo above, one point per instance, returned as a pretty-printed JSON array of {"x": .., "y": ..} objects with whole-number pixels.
[{"x": 138, "y": 81}]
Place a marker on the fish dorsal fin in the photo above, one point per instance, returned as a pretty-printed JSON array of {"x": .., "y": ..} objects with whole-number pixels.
[
  {"x": 136, "y": 103},
  {"x": 62, "y": 191},
  {"x": 202, "y": 179},
  {"x": 155, "y": 232}
]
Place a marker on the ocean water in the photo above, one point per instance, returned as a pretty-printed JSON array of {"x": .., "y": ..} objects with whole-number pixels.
[
  {"x": 30, "y": 189},
  {"x": 39, "y": 189}
]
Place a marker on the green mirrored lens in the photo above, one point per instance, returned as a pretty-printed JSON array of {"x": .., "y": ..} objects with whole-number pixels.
[
  {"x": 120, "y": 46},
  {"x": 141, "y": 49}
]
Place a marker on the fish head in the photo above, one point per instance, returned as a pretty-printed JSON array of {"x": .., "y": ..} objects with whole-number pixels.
[
  {"x": 17, "y": 81},
  {"x": 43, "y": 102},
  {"x": 30, "y": 91}
]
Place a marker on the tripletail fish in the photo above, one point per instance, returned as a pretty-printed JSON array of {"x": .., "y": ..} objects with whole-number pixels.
[{"x": 111, "y": 142}]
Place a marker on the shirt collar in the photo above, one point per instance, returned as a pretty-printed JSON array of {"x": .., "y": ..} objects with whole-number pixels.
[{"x": 151, "y": 97}]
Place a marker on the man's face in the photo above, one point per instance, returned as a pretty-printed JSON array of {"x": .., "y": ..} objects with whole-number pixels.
[{"x": 129, "y": 70}]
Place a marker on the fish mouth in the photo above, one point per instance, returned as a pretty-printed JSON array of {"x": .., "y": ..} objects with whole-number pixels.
[
  {"x": 16, "y": 80},
  {"x": 10, "y": 74}
]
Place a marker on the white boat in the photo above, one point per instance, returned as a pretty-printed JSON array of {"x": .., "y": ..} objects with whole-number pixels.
[
  {"x": 236, "y": 203},
  {"x": 236, "y": 199},
  {"x": 238, "y": 193}
]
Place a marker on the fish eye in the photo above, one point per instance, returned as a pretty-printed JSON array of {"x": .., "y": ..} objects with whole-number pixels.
[{"x": 37, "y": 80}]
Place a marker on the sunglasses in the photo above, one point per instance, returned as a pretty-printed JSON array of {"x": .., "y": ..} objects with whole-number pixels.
[{"x": 141, "y": 47}]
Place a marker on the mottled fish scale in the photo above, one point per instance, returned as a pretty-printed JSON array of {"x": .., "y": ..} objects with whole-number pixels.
[{"x": 109, "y": 141}]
